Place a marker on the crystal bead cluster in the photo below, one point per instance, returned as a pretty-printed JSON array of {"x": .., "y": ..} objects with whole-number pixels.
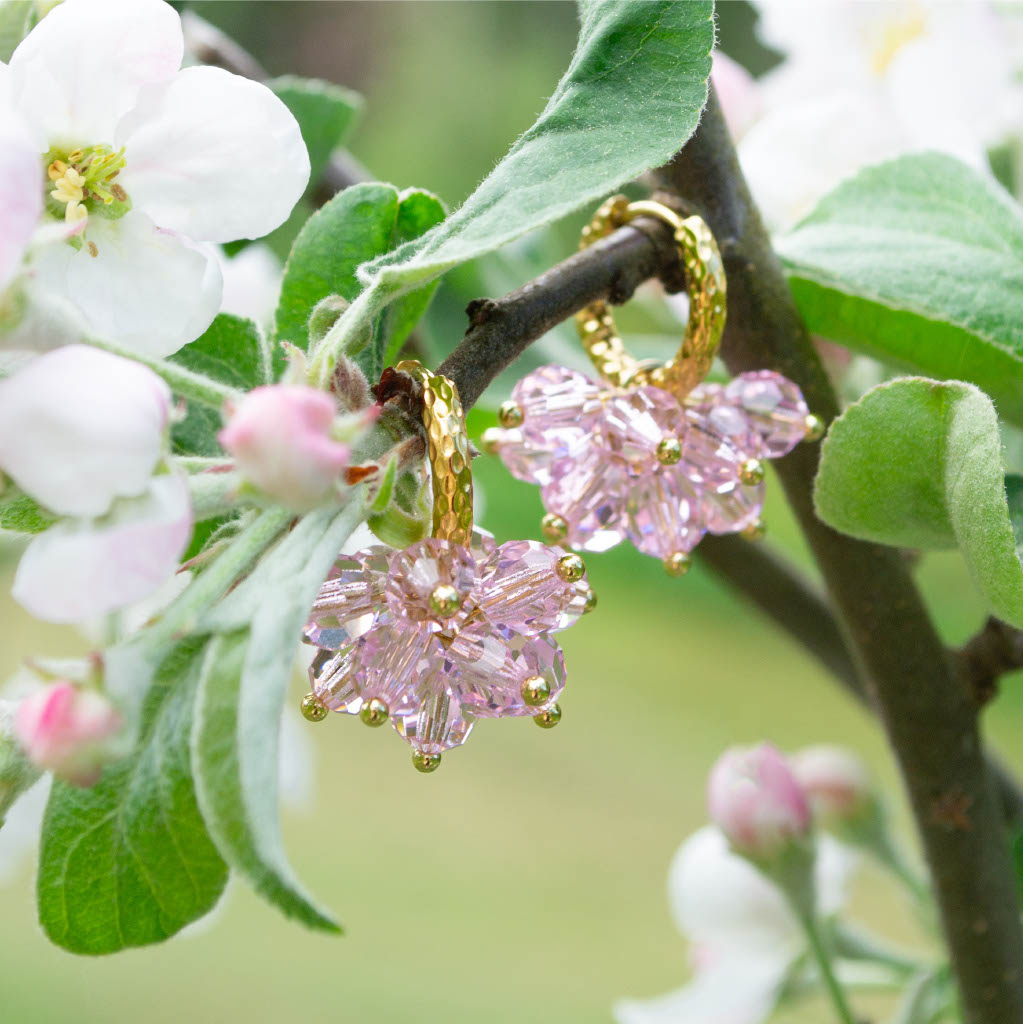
[
  {"x": 639, "y": 463},
  {"x": 438, "y": 635}
]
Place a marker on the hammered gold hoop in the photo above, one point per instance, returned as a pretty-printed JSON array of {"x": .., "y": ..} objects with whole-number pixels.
[
  {"x": 705, "y": 285},
  {"x": 448, "y": 450}
]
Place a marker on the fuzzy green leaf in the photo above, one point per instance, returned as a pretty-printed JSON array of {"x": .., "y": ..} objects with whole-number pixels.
[
  {"x": 917, "y": 463},
  {"x": 232, "y": 351},
  {"x": 918, "y": 262},
  {"x": 325, "y": 112},
  {"x": 241, "y": 696},
  {"x": 128, "y": 862},
  {"x": 16, "y": 20},
  {"x": 630, "y": 98},
  {"x": 20, "y": 514}
]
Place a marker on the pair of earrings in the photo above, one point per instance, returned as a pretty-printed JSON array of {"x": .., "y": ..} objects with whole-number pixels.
[{"x": 457, "y": 628}]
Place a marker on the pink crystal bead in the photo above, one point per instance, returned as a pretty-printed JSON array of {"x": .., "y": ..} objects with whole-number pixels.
[
  {"x": 433, "y": 720},
  {"x": 345, "y": 606},
  {"x": 589, "y": 493},
  {"x": 419, "y": 572},
  {"x": 774, "y": 408},
  {"x": 559, "y": 407},
  {"x": 493, "y": 665},
  {"x": 712, "y": 462},
  {"x": 635, "y": 422},
  {"x": 523, "y": 460},
  {"x": 665, "y": 513},
  {"x": 331, "y": 675},
  {"x": 521, "y": 588}
]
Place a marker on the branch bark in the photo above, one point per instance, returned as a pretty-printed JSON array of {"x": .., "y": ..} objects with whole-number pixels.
[{"x": 930, "y": 717}]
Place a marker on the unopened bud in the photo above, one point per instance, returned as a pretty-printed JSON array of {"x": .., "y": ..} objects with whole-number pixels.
[
  {"x": 17, "y": 773},
  {"x": 68, "y": 730},
  {"x": 835, "y": 781},
  {"x": 325, "y": 314}
]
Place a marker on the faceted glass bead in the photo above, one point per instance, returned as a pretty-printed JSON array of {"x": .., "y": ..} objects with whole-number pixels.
[
  {"x": 732, "y": 506},
  {"x": 559, "y": 406},
  {"x": 353, "y": 591},
  {"x": 432, "y": 719},
  {"x": 389, "y": 661},
  {"x": 331, "y": 676},
  {"x": 521, "y": 589},
  {"x": 523, "y": 460},
  {"x": 494, "y": 663},
  {"x": 635, "y": 422},
  {"x": 590, "y": 494},
  {"x": 418, "y": 571},
  {"x": 774, "y": 407},
  {"x": 665, "y": 513}
]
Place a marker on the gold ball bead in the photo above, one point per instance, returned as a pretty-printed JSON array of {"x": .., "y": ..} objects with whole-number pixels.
[
  {"x": 313, "y": 709},
  {"x": 755, "y": 531},
  {"x": 751, "y": 471},
  {"x": 549, "y": 718},
  {"x": 424, "y": 762},
  {"x": 510, "y": 415},
  {"x": 444, "y": 600},
  {"x": 815, "y": 427},
  {"x": 554, "y": 527},
  {"x": 374, "y": 712},
  {"x": 571, "y": 568},
  {"x": 536, "y": 691},
  {"x": 678, "y": 564},
  {"x": 490, "y": 441},
  {"x": 591, "y": 601},
  {"x": 669, "y": 451}
]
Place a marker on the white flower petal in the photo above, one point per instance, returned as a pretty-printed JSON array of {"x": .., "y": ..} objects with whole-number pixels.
[
  {"x": 148, "y": 289},
  {"x": 252, "y": 282},
  {"x": 80, "y": 69},
  {"x": 21, "y": 199},
  {"x": 79, "y": 569},
  {"x": 80, "y": 427},
  {"x": 20, "y": 833},
  {"x": 213, "y": 155},
  {"x": 739, "y": 992}
]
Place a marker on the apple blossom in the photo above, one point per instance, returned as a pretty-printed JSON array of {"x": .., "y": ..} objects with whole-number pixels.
[
  {"x": 149, "y": 161},
  {"x": 744, "y": 938},
  {"x": 835, "y": 780},
  {"x": 252, "y": 283},
  {"x": 737, "y": 92},
  {"x": 80, "y": 427},
  {"x": 754, "y": 798},
  {"x": 281, "y": 439},
  {"x": 68, "y": 730},
  {"x": 16, "y": 773}
]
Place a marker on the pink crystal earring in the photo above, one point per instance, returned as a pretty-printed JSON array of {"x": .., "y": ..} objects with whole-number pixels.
[
  {"x": 455, "y": 627},
  {"x": 651, "y": 452}
]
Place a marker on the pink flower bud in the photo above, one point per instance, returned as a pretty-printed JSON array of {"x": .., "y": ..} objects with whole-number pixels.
[
  {"x": 280, "y": 438},
  {"x": 835, "y": 780},
  {"x": 754, "y": 798},
  {"x": 68, "y": 731},
  {"x": 737, "y": 92}
]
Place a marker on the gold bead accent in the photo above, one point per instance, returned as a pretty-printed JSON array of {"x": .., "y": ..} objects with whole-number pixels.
[
  {"x": 490, "y": 441},
  {"x": 424, "y": 762},
  {"x": 751, "y": 471},
  {"x": 669, "y": 451},
  {"x": 591, "y": 601},
  {"x": 755, "y": 531},
  {"x": 374, "y": 712},
  {"x": 536, "y": 691},
  {"x": 554, "y": 527},
  {"x": 815, "y": 427},
  {"x": 510, "y": 415},
  {"x": 678, "y": 564},
  {"x": 313, "y": 709},
  {"x": 444, "y": 600},
  {"x": 570, "y": 568},
  {"x": 549, "y": 718}
]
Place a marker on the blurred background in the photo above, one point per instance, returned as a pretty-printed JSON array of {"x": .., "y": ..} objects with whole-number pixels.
[{"x": 525, "y": 881}]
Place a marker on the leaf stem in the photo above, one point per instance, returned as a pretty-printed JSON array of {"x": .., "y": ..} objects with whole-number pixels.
[{"x": 820, "y": 953}]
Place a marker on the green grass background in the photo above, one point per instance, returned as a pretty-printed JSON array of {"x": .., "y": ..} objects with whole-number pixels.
[{"x": 525, "y": 881}]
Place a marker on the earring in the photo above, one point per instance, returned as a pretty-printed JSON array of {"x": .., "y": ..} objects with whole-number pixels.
[
  {"x": 651, "y": 452},
  {"x": 455, "y": 627}
]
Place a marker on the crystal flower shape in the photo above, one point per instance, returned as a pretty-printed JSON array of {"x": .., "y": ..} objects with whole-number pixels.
[
  {"x": 438, "y": 635},
  {"x": 638, "y": 463}
]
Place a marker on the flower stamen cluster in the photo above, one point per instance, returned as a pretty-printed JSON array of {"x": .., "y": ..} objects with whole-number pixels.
[{"x": 84, "y": 183}]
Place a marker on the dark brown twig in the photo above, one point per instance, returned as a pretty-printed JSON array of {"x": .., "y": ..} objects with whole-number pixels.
[{"x": 996, "y": 650}]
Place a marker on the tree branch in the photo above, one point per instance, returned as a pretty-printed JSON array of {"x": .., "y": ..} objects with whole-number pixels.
[
  {"x": 930, "y": 716},
  {"x": 984, "y": 658}
]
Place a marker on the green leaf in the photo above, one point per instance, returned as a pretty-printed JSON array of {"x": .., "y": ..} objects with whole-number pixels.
[
  {"x": 917, "y": 463},
  {"x": 16, "y": 20},
  {"x": 418, "y": 211},
  {"x": 1014, "y": 496},
  {"x": 630, "y": 98},
  {"x": 241, "y": 697},
  {"x": 918, "y": 262},
  {"x": 325, "y": 113},
  {"x": 20, "y": 514},
  {"x": 233, "y": 351},
  {"x": 128, "y": 862}
]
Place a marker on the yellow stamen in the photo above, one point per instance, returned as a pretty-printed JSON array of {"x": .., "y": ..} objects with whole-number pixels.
[
  {"x": 893, "y": 36},
  {"x": 56, "y": 170},
  {"x": 93, "y": 251}
]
